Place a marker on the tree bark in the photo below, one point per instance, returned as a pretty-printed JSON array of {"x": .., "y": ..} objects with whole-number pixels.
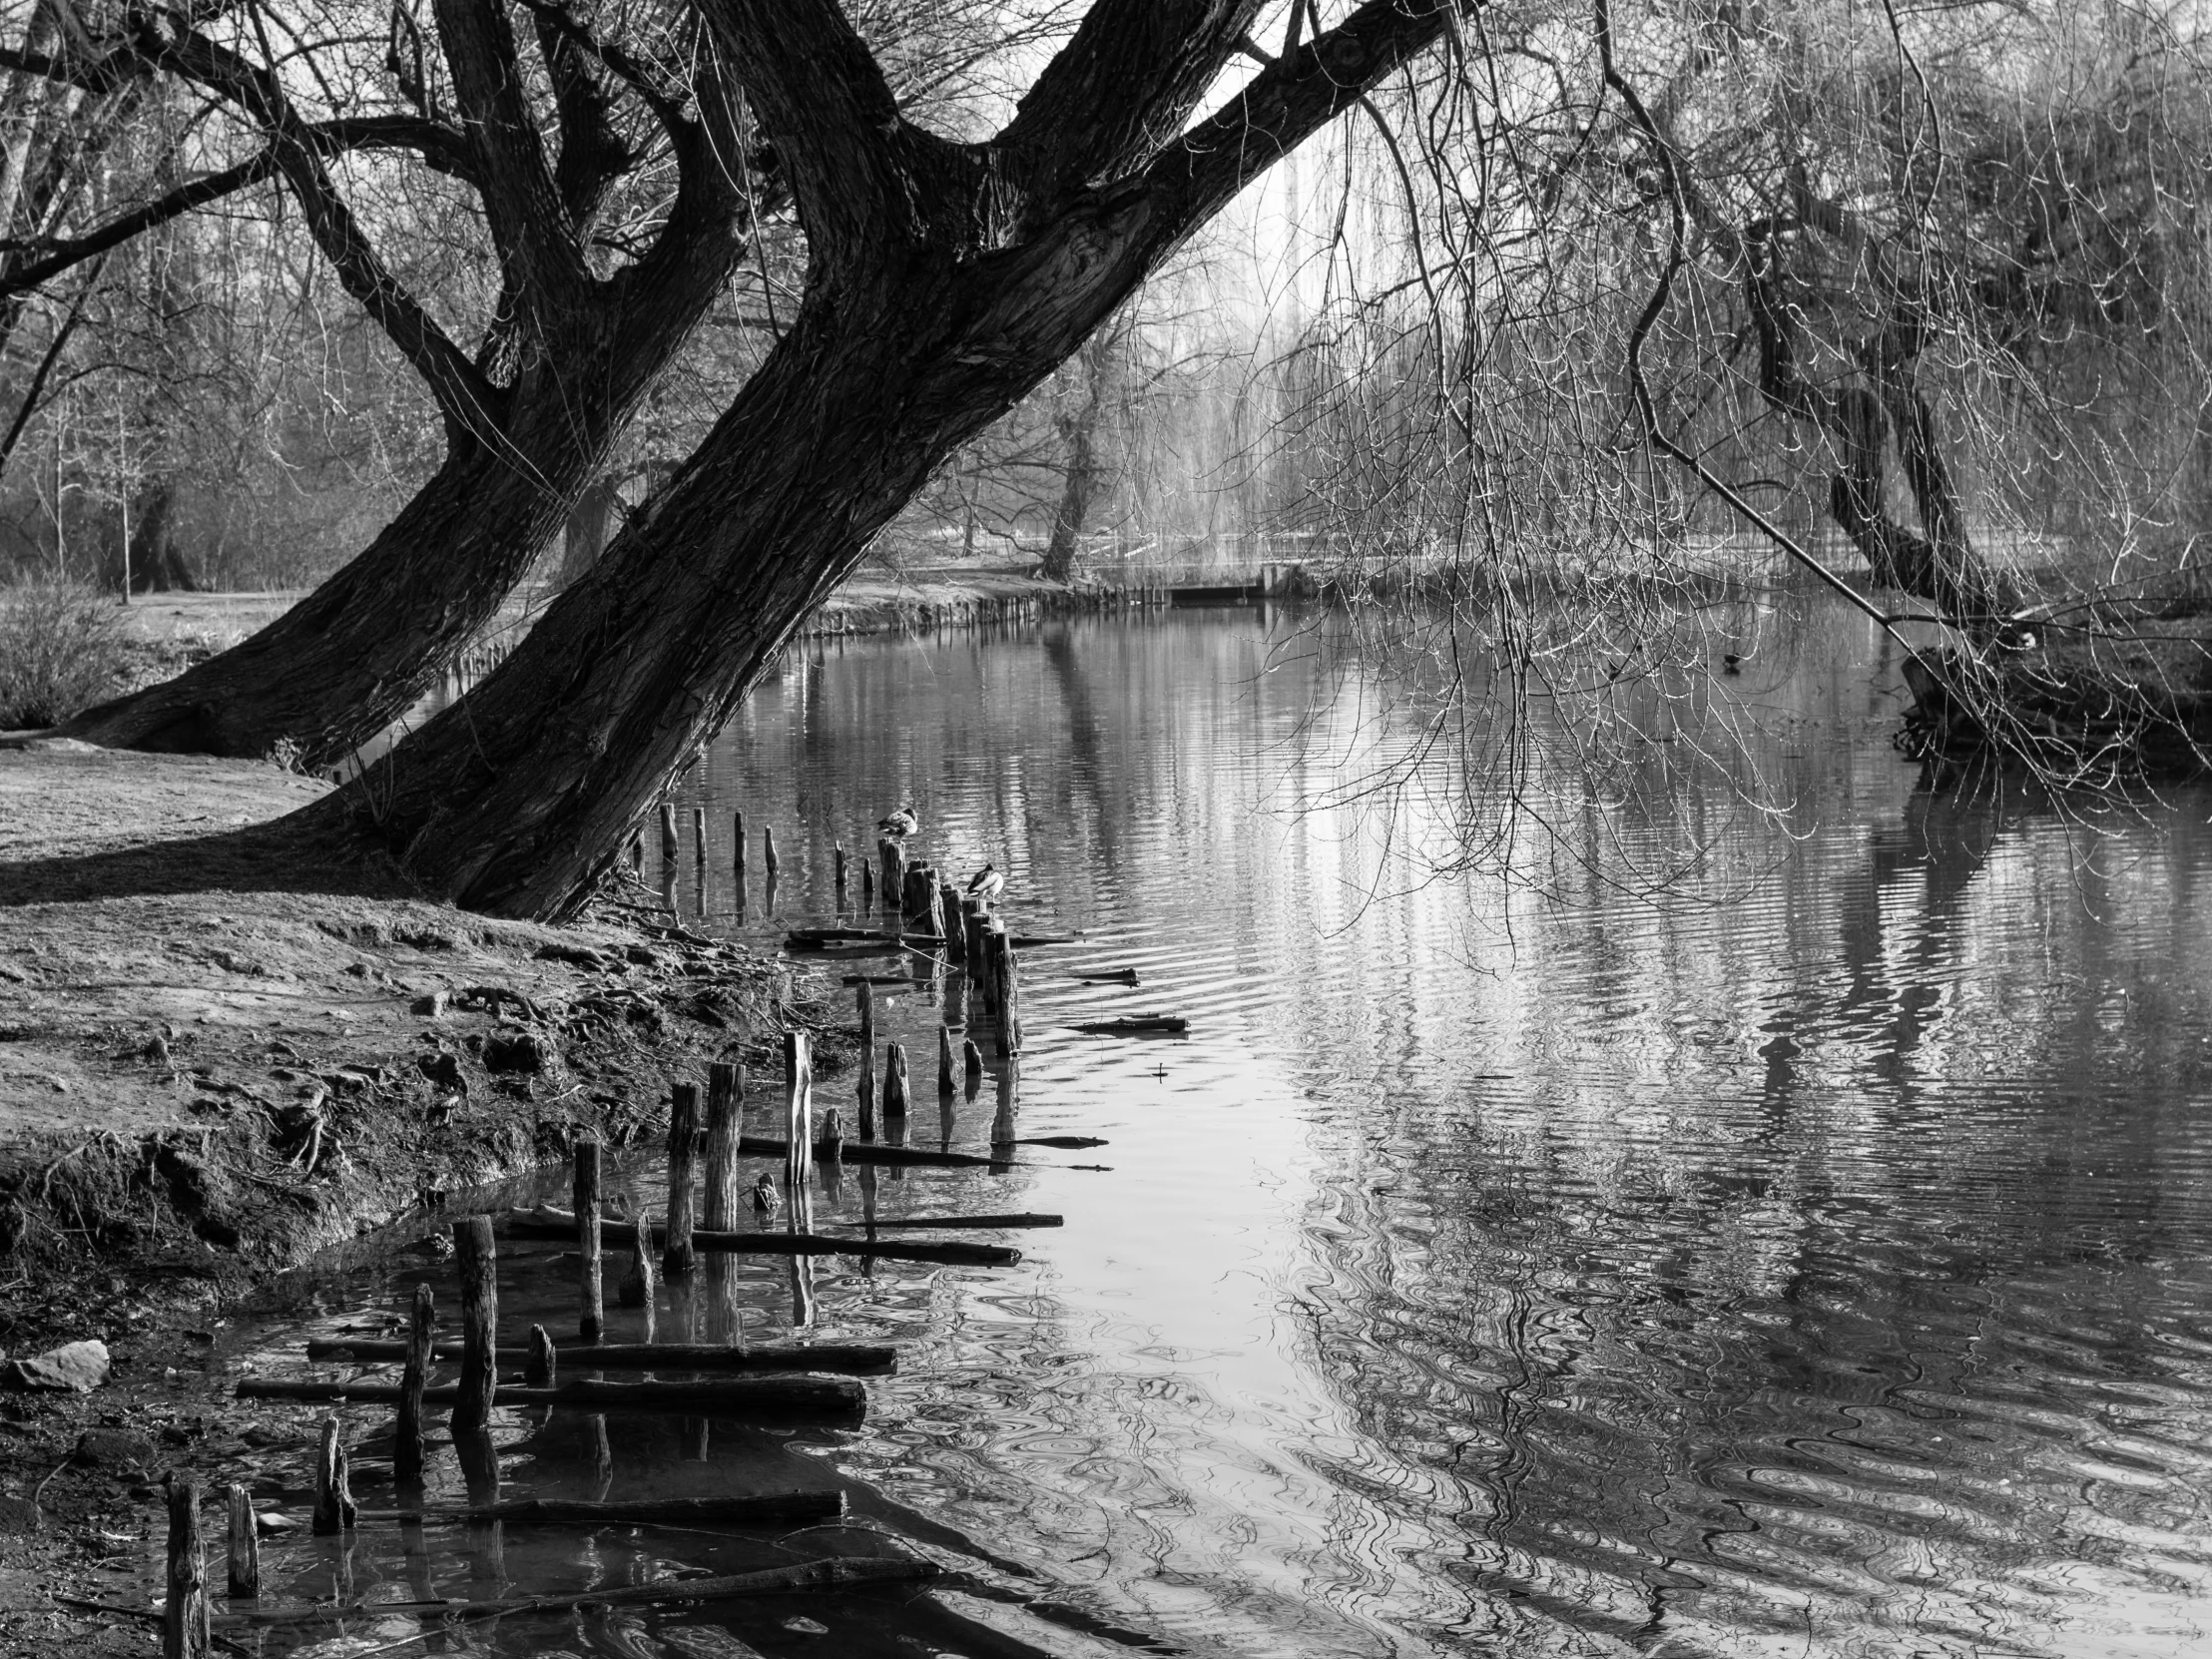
[
  {"x": 584, "y": 537},
  {"x": 946, "y": 280}
]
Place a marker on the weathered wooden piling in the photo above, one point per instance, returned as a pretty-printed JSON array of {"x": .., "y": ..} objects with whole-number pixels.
[
  {"x": 244, "y": 1547},
  {"x": 836, "y": 865},
  {"x": 768, "y": 853},
  {"x": 682, "y": 1152},
  {"x": 951, "y": 925},
  {"x": 333, "y": 1494},
  {"x": 725, "y": 1128},
  {"x": 894, "y": 1080},
  {"x": 830, "y": 1143},
  {"x": 185, "y": 1629},
  {"x": 737, "y": 840},
  {"x": 698, "y": 835},
  {"x": 799, "y": 1120},
  {"x": 408, "y": 1459},
  {"x": 543, "y": 1364},
  {"x": 867, "y": 885},
  {"x": 946, "y": 1083},
  {"x": 972, "y": 1063},
  {"x": 979, "y": 957},
  {"x": 638, "y": 1285},
  {"x": 668, "y": 837},
  {"x": 591, "y": 1318},
  {"x": 478, "y": 1261},
  {"x": 893, "y": 885},
  {"x": 864, "y": 997}
]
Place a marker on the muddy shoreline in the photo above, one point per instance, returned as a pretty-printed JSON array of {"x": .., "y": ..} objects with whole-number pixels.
[{"x": 204, "y": 1080}]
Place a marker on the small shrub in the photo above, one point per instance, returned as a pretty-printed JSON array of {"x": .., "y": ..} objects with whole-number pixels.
[{"x": 62, "y": 649}]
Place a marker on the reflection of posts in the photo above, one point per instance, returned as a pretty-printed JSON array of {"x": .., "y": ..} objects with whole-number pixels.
[
  {"x": 487, "y": 1542},
  {"x": 1009, "y": 1086},
  {"x": 945, "y": 1083},
  {"x": 638, "y": 1288}
]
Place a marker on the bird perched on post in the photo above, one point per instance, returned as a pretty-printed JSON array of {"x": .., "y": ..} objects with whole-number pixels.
[
  {"x": 987, "y": 883},
  {"x": 900, "y": 824},
  {"x": 764, "y": 1200}
]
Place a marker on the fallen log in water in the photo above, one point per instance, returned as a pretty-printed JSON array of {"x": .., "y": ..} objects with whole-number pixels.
[
  {"x": 1066, "y": 1143},
  {"x": 824, "y": 1574},
  {"x": 871, "y": 1152},
  {"x": 753, "y": 1510},
  {"x": 548, "y": 1223},
  {"x": 761, "y": 1396},
  {"x": 1024, "y": 1219},
  {"x": 1030, "y": 941},
  {"x": 857, "y": 1358},
  {"x": 1136, "y": 1025},
  {"x": 1104, "y": 977}
]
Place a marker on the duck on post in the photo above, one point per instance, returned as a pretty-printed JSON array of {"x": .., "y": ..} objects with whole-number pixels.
[
  {"x": 986, "y": 883},
  {"x": 900, "y": 824}
]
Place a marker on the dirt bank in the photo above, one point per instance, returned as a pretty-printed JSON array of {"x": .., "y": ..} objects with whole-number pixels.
[{"x": 220, "y": 1051}]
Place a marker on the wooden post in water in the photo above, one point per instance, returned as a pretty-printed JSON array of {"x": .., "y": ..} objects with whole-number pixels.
[
  {"x": 682, "y": 1152},
  {"x": 334, "y": 1496},
  {"x": 768, "y": 853},
  {"x": 799, "y": 1120},
  {"x": 1008, "y": 993},
  {"x": 836, "y": 863},
  {"x": 591, "y": 1319},
  {"x": 185, "y": 1631},
  {"x": 636, "y": 1285},
  {"x": 637, "y": 851},
  {"x": 895, "y": 1081},
  {"x": 833, "y": 1145},
  {"x": 408, "y": 1459},
  {"x": 867, "y": 884},
  {"x": 699, "y": 837},
  {"x": 725, "y": 1127},
  {"x": 477, "y": 1259},
  {"x": 954, "y": 929},
  {"x": 971, "y": 1062},
  {"x": 737, "y": 842},
  {"x": 945, "y": 1081},
  {"x": 668, "y": 837},
  {"x": 864, "y": 995},
  {"x": 245, "y": 1547},
  {"x": 542, "y": 1364},
  {"x": 978, "y": 965}
]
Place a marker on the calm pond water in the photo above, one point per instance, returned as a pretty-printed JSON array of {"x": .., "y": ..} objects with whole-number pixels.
[{"x": 1811, "y": 1262}]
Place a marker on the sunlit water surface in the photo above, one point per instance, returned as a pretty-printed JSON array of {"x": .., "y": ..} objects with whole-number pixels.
[{"x": 1810, "y": 1262}]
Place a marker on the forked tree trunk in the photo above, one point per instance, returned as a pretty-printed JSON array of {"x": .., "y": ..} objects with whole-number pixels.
[
  {"x": 941, "y": 293},
  {"x": 375, "y": 637}
]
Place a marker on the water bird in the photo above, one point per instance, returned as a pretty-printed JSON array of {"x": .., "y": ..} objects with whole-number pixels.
[
  {"x": 987, "y": 883},
  {"x": 900, "y": 824},
  {"x": 764, "y": 1200}
]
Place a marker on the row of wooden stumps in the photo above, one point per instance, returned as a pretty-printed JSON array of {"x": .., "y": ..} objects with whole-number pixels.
[{"x": 186, "y": 1630}]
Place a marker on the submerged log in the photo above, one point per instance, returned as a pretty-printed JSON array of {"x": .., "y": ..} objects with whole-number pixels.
[
  {"x": 824, "y": 1574},
  {"x": 1023, "y": 1219},
  {"x": 809, "y": 1396},
  {"x": 555, "y": 1224},
  {"x": 752, "y": 1509},
  {"x": 856, "y": 1358},
  {"x": 1136, "y": 1025}
]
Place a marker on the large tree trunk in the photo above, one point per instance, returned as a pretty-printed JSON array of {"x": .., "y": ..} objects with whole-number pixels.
[
  {"x": 949, "y": 281},
  {"x": 154, "y": 562},
  {"x": 584, "y": 537},
  {"x": 1079, "y": 430}
]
